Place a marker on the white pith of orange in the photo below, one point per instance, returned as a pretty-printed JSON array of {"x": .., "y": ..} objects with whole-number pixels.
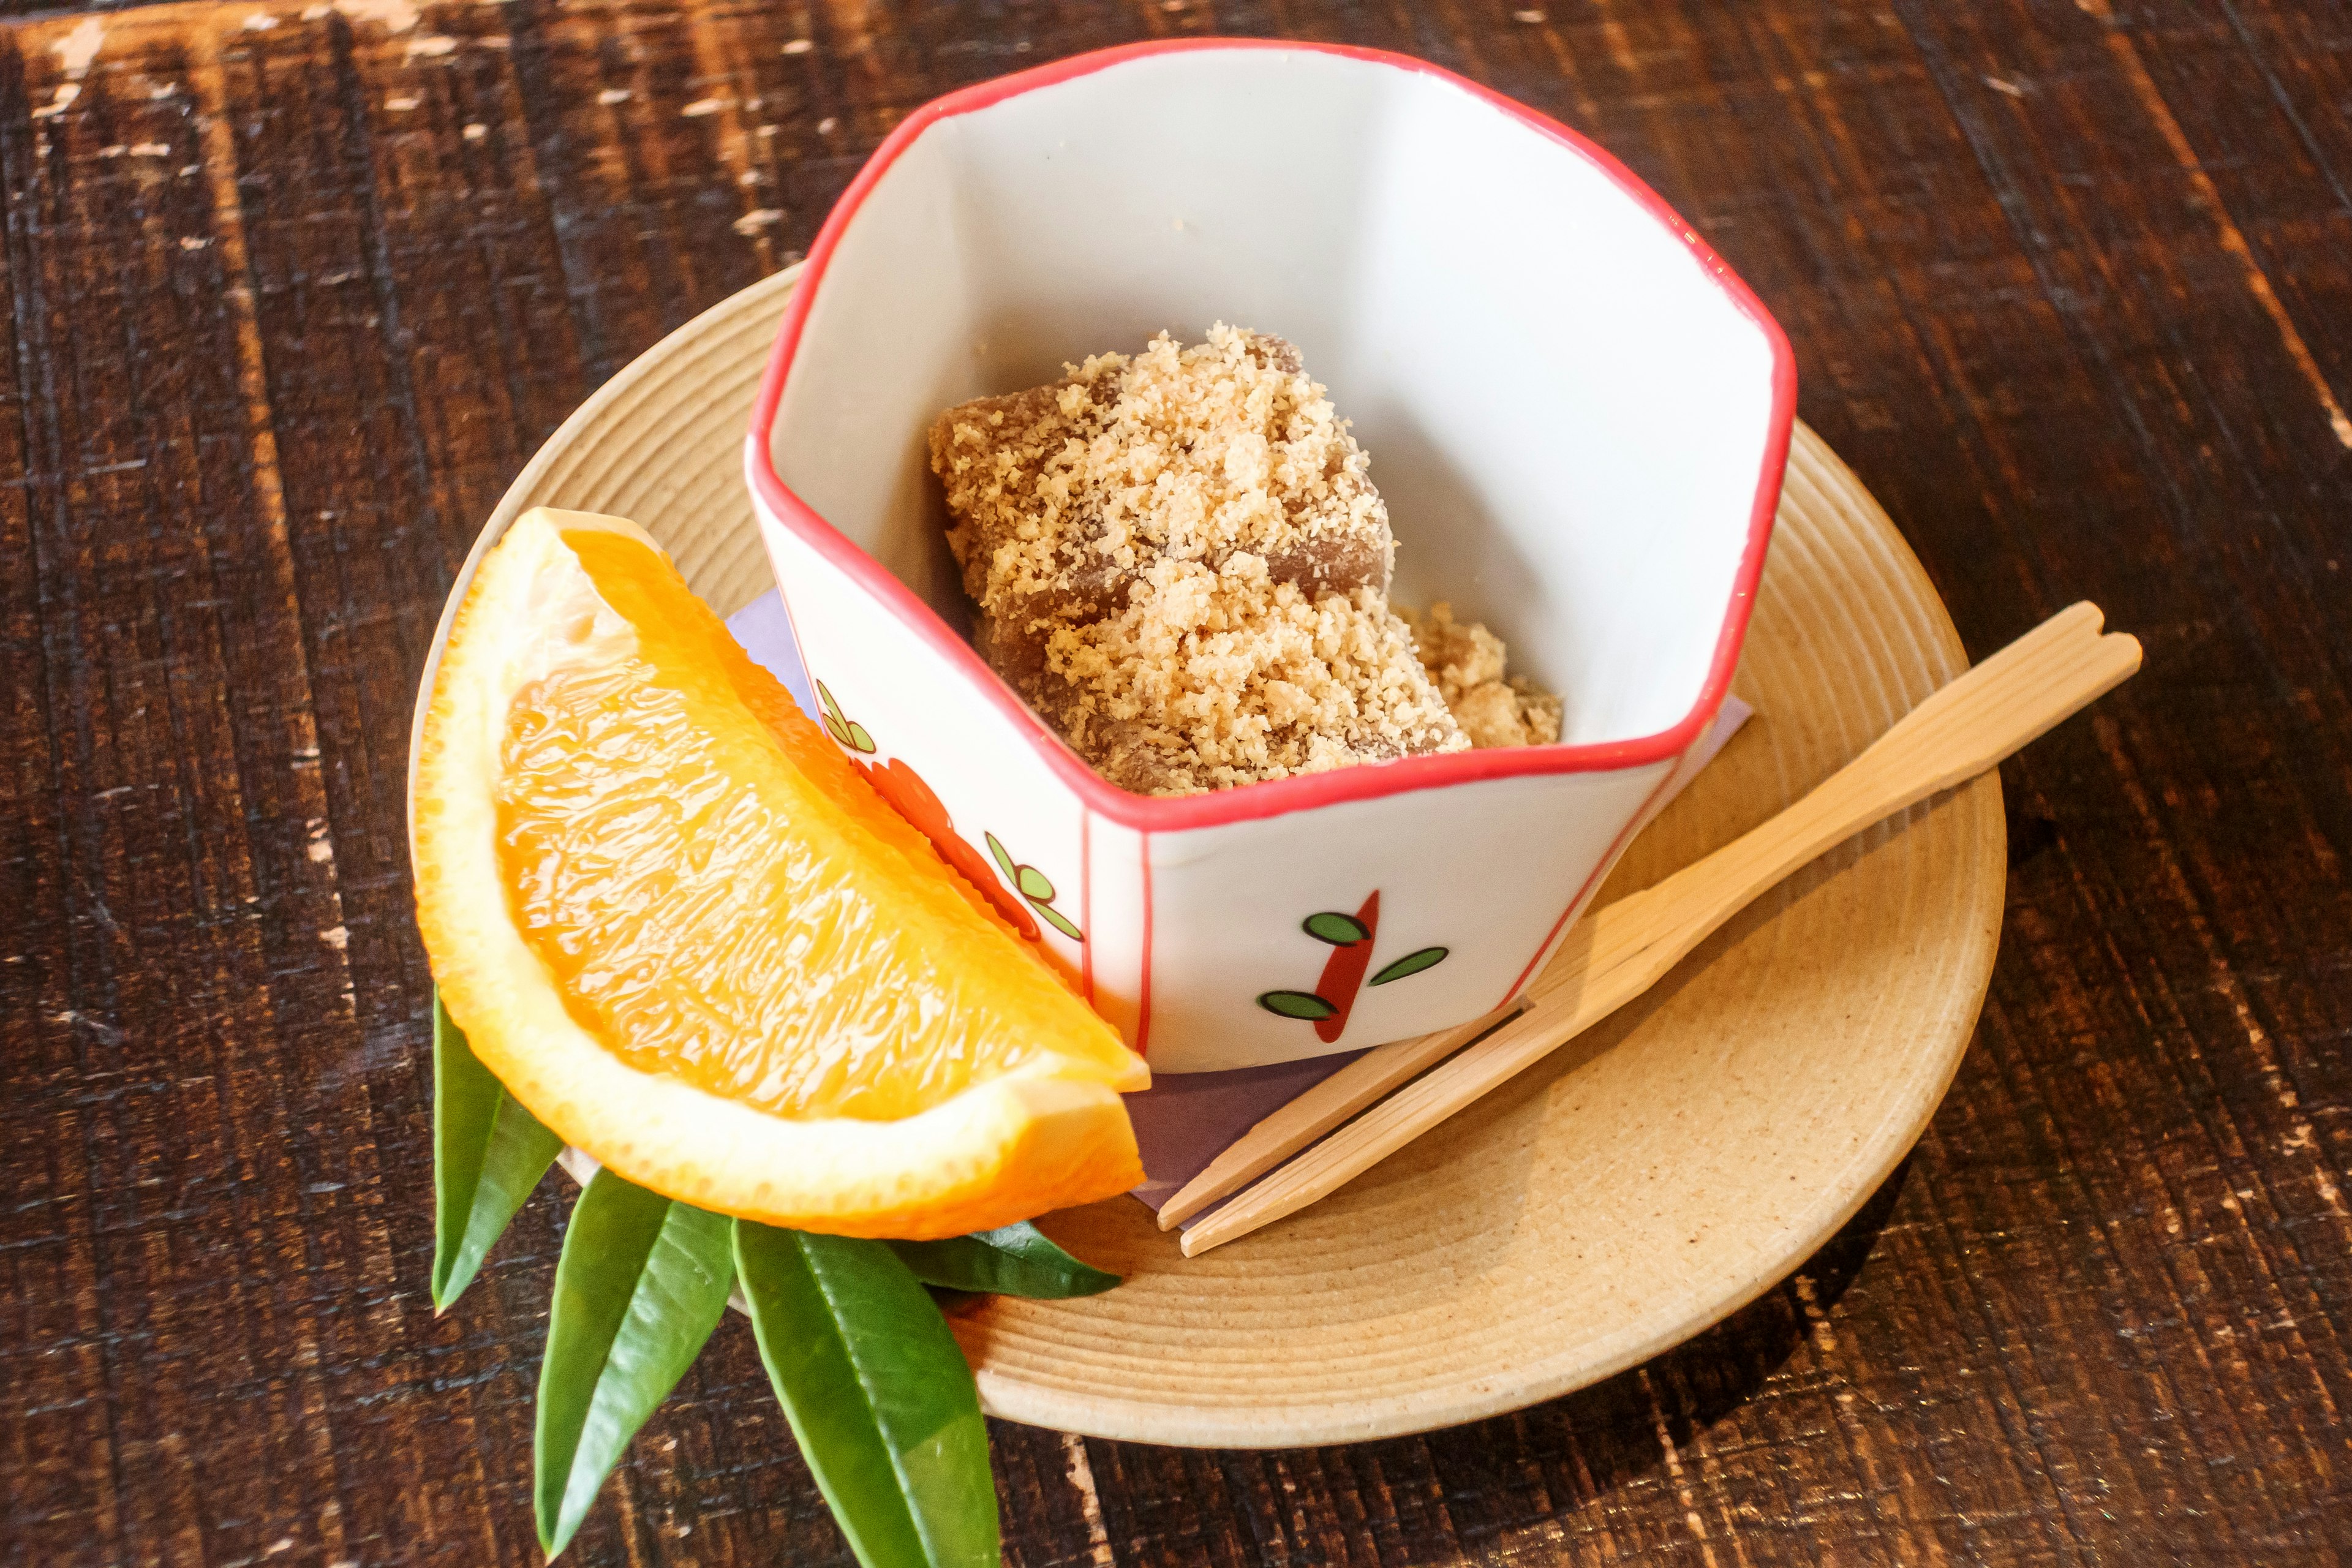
[{"x": 1048, "y": 1131}]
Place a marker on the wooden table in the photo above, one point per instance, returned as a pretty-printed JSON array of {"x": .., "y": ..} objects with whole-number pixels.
[{"x": 291, "y": 293}]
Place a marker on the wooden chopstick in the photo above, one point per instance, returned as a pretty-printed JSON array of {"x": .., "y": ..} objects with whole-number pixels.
[
  {"x": 1361, "y": 1082},
  {"x": 1620, "y": 951}
]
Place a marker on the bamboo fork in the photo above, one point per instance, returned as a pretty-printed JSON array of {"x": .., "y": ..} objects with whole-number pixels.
[
  {"x": 1312, "y": 1114},
  {"x": 1620, "y": 951}
]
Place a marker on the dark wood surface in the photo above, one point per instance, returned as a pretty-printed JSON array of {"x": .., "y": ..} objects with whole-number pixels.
[{"x": 291, "y": 294}]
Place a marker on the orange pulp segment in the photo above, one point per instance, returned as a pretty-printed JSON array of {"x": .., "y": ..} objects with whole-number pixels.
[{"x": 688, "y": 936}]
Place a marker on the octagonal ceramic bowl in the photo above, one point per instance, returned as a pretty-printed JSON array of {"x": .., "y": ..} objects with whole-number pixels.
[{"x": 1577, "y": 415}]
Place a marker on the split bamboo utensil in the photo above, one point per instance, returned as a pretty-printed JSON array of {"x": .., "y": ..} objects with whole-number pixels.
[{"x": 1618, "y": 953}]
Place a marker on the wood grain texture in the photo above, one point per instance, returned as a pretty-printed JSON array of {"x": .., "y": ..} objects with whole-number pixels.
[{"x": 288, "y": 304}]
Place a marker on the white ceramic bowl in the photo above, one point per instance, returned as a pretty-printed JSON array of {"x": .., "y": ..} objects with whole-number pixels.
[{"x": 1578, "y": 417}]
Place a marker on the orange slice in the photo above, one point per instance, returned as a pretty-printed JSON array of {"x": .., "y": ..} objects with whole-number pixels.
[{"x": 685, "y": 933}]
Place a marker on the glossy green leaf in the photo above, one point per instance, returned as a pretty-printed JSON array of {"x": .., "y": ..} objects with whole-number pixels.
[
  {"x": 642, "y": 1284},
  {"x": 1411, "y": 963},
  {"x": 489, "y": 1152},
  {"x": 1296, "y": 1004},
  {"x": 1004, "y": 861},
  {"x": 1032, "y": 884},
  {"x": 1334, "y": 928},
  {"x": 1016, "y": 1260},
  {"x": 878, "y": 1396},
  {"x": 1054, "y": 918}
]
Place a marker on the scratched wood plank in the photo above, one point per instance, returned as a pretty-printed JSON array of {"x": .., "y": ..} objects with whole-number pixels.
[
  {"x": 2280, "y": 173},
  {"x": 291, "y": 291},
  {"x": 181, "y": 975},
  {"x": 2225, "y": 1084}
]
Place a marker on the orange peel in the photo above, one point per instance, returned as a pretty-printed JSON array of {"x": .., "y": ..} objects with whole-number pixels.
[{"x": 690, "y": 938}]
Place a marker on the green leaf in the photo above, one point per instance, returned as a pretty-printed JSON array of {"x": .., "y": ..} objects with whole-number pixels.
[
  {"x": 834, "y": 727},
  {"x": 1296, "y": 1004},
  {"x": 1059, "y": 921},
  {"x": 1004, "y": 861},
  {"x": 858, "y": 738},
  {"x": 1032, "y": 884},
  {"x": 642, "y": 1282},
  {"x": 1016, "y": 1260},
  {"x": 489, "y": 1152},
  {"x": 1334, "y": 928},
  {"x": 878, "y": 1396},
  {"x": 831, "y": 709},
  {"x": 1412, "y": 964}
]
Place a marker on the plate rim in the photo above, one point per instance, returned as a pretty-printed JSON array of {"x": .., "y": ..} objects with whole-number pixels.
[{"x": 1107, "y": 1415}]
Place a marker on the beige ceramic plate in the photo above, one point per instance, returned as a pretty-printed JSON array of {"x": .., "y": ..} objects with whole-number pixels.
[{"x": 1660, "y": 1172}]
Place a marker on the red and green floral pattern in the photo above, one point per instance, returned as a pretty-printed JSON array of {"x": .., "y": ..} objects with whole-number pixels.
[
  {"x": 913, "y": 799},
  {"x": 1031, "y": 885},
  {"x": 1350, "y": 938}
]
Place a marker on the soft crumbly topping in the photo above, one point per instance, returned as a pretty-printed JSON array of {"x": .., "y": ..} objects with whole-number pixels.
[
  {"x": 1180, "y": 561},
  {"x": 1212, "y": 678},
  {"x": 1466, "y": 660},
  {"x": 1187, "y": 453}
]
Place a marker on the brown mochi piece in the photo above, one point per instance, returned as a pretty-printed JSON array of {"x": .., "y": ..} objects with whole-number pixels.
[{"x": 1180, "y": 561}]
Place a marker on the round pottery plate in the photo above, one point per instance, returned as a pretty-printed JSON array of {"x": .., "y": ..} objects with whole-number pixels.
[{"x": 1654, "y": 1176}]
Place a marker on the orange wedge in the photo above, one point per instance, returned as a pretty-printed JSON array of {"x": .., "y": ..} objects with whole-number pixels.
[{"x": 685, "y": 933}]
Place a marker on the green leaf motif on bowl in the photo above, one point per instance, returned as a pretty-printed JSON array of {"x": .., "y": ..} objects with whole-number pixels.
[
  {"x": 1411, "y": 963},
  {"x": 1054, "y": 917},
  {"x": 1331, "y": 926},
  {"x": 1296, "y": 1004},
  {"x": 1004, "y": 861}
]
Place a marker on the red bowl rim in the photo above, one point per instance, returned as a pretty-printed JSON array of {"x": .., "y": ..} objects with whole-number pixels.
[{"x": 1303, "y": 791}]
